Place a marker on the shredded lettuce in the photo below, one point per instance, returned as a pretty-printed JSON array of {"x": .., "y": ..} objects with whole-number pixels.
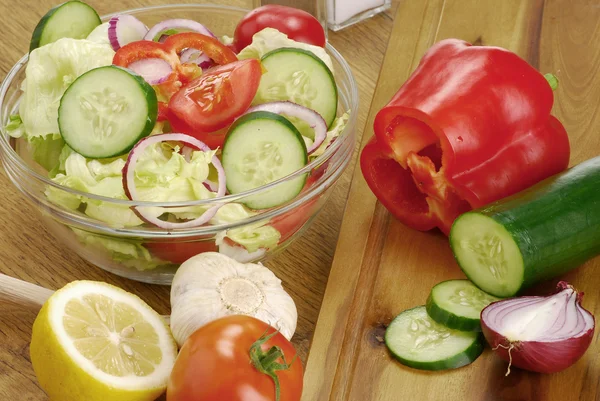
[
  {"x": 162, "y": 174},
  {"x": 336, "y": 129},
  {"x": 103, "y": 178},
  {"x": 271, "y": 39},
  {"x": 50, "y": 71},
  {"x": 128, "y": 253}
]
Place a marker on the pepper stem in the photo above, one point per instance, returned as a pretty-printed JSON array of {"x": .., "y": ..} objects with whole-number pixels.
[
  {"x": 552, "y": 81},
  {"x": 266, "y": 362}
]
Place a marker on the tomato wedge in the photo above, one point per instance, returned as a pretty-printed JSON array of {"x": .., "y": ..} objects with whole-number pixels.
[{"x": 213, "y": 101}]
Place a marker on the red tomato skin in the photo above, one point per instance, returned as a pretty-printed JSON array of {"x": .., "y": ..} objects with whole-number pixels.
[
  {"x": 213, "y": 101},
  {"x": 178, "y": 252},
  {"x": 214, "y": 364},
  {"x": 211, "y": 139},
  {"x": 289, "y": 223},
  {"x": 297, "y": 24}
]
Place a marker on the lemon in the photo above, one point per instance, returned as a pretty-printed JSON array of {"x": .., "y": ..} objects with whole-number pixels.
[{"x": 95, "y": 342}]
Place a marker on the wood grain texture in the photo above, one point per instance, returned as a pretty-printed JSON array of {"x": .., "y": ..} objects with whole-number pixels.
[
  {"x": 28, "y": 251},
  {"x": 381, "y": 267}
]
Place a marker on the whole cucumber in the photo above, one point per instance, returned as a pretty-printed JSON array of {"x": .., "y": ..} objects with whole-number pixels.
[{"x": 537, "y": 234}]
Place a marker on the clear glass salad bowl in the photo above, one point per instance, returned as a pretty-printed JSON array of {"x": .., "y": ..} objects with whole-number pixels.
[{"x": 150, "y": 254}]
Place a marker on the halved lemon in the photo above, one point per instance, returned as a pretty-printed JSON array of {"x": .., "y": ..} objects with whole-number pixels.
[{"x": 95, "y": 342}]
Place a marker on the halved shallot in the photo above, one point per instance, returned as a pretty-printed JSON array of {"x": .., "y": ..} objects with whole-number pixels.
[
  {"x": 124, "y": 29},
  {"x": 539, "y": 334},
  {"x": 130, "y": 187},
  {"x": 314, "y": 119}
]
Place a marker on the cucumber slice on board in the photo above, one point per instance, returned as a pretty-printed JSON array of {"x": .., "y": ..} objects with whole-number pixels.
[
  {"x": 457, "y": 304},
  {"x": 537, "y": 234},
  {"x": 262, "y": 147},
  {"x": 72, "y": 19},
  {"x": 301, "y": 77},
  {"x": 419, "y": 342},
  {"x": 106, "y": 111}
]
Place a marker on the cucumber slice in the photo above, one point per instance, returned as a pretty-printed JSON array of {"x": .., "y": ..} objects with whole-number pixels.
[
  {"x": 72, "y": 19},
  {"x": 457, "y": 304},
  {"x": 419, "y": 342},
  {"x": 301, "y": 77},
  {"x": 106, "y": 111},
  {"x": 535, "y": 235},
  {"x": 262, "y": 147}
]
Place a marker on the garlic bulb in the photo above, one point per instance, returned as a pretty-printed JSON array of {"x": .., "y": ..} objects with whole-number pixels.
[{"x": 211, "y": 285}]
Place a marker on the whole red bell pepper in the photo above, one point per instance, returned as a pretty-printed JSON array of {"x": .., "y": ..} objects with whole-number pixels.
[{"x": 470, "y": 126}]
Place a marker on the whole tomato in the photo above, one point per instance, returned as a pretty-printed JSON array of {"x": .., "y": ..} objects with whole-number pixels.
[
  {"x": 236, "y": 358},
  {"x": 297, "y": 24}
]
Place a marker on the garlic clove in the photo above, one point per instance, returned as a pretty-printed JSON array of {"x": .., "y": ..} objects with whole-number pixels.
[{"x": 211, "y": 285}]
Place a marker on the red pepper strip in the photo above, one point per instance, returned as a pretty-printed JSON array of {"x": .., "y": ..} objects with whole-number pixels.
[
  {"x": 470, "y": 126},
  {"x": 169, "y": 51},
  {"x": 214, "y": 49}
]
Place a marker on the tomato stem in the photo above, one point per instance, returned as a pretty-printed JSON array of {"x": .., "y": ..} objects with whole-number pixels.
[{"x": 266, "y": 362}]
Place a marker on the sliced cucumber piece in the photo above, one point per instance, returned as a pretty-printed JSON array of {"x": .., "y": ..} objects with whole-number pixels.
[
  {"x": 72, "y": 19},
  {"x": 457, "y": 304},
  {"x": 262, "y": 147},
  {"x": 106, "y": 111},
  {"x": 421, "y": 343},
  {"x": 301, "y": 77}
]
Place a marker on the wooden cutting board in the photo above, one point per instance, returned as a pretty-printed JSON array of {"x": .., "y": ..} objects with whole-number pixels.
[{"x": 382, "y": 267}]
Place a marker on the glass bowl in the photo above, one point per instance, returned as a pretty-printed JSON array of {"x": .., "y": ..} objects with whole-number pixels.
[{"x": 150, "y": 254}]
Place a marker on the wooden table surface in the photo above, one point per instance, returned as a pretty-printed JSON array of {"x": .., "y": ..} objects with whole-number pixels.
[
  {"x": 381, "y": 267},
  {"x": 29, "y": 252}
]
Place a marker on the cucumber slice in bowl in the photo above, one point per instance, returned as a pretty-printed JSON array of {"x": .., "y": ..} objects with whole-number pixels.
[
  {"x": 419, "y": 342},
  {"x": 457, "y": 304},
  {"x": 73, "y": 19},
  {"x": 262, "y": 147},
  {"x": 106, "y": 111},
  {"x": 298, "y": 76}
]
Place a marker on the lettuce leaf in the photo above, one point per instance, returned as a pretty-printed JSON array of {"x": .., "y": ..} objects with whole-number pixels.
[
  {"x": 46, "y": 150},
  {"x": 50, "y": 71},
  {"x": 128, "y": 253},
  {"x": 100, "y": 34},
  {"x": 97, "y": 177},
  {"x": 336, "y": 129},
  {"x": 252, "y": 237},
  {"x": 255, "y": 236},
  {"x": 271, "y": 39},
  {"x": 15, "y": 126}
]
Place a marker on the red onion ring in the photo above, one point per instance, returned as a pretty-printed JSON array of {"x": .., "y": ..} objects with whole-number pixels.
[
  {"x": 196, "y": 57},
  {"x": 124, "y": 29},
  {"x": 176, "y": 24},
  {"x": 313, "y": 118},
  {"x": 154, "y": 70},
  {"x": 131, "y": 190},
  {"x": 539, "y": 334}
]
